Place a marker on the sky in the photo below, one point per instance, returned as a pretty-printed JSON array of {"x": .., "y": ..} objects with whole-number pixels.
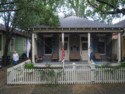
[{"x": 118, "y": 20}]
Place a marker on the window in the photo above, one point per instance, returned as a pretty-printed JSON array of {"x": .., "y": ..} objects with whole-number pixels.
[
  {"x": 65, "y": 39},
  {"x": 65, "y": 46},
  {"x": 84, "y": 39},
  {"x": 0, "y": 42},
  {"x": 101, "y": 47},
  {"x": 24, "y": 44},
  {"x": 12, "y": 45},
  {"x": 84, "y": 46}
]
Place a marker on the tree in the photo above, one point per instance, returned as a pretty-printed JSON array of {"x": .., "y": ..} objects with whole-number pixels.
[
  {"x": 107, "y": 9},
  {"x": 23, "y": 14},
  {"x": 73, "y": 7},
  {"x": 101, "y": 10}
]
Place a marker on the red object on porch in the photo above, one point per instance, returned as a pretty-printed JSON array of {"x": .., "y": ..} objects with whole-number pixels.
[{"x": 63, "y": 53}]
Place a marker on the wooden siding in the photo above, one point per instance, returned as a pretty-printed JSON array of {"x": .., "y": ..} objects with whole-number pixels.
[{"x": 20, "y": 45}]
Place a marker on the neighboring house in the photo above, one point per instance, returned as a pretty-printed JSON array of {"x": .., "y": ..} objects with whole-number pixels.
[
  {"x": 79, "y": 37},
  {"x": 122, "y": 25},
  {"x": 18, "y": 42}
]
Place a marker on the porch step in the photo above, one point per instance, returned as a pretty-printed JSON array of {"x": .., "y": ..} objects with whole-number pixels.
[{"x": 47, "y": 58}]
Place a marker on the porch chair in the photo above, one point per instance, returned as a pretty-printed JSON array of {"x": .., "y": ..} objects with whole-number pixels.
[
  {"x": 38, "y": 58},
  {"x": 112, "y": 57},
  {"x": 97, "y": 56},
  {"x": 54, "y": 57},
  {"x": 75, "y": 55}
]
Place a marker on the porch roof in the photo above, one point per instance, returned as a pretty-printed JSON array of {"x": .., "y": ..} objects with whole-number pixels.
[{"x": 78, "y": 24}]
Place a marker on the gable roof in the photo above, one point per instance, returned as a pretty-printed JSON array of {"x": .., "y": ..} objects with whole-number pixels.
[
  {"x": 79, "y": 22},
  {"x": 16, "y": 32},
  {"x": 120, "y": 24}
]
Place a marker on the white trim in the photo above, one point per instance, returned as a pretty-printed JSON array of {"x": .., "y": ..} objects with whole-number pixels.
[
  {"x": 60, "y": 44},
  {"x": 119, "y": 47},
  {"x": 12, "y": 47},
  {"x": 81, "y": 51},
  {"x": 89, "y": 46},
  {"x": 24, "y": 44},
  {"x": 33, "y": 48}
]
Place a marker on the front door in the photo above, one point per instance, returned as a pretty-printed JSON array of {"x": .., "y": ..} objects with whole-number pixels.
[
  {"x": 48, "y": 45},
  {"x": 66, "y": 47},
  {"x": 84, "y": 47}
]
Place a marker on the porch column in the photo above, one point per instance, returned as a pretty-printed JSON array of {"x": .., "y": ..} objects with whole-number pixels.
[
  {"x": 33, "y": 47},
  {"x": 89, "y": 47},
  {"x": 63, "y": 51},
  {"x": 119, "y": 47}
]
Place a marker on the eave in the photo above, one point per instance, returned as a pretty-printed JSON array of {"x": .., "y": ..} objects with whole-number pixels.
[{"x": 75, "y": 30}]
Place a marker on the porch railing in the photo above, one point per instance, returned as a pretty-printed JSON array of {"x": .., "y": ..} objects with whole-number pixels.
[{"x": 75, "y": 74}]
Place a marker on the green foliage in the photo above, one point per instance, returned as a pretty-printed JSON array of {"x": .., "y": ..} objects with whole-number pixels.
[
  {"x": 105, "y": 66},
  {"x": 50, "y": 75},
  {"x": 101, "y": 10},
  {"x": 122, "y": 64},
  {"x": 107, "y": 9},
  {"x": 29, "y": 66},
  {"x": 24, "y": 14}
]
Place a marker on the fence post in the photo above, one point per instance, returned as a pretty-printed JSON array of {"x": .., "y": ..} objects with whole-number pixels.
[
  {"x": 73, "y": 72},
  {"x": 92, "y": 72},
  {"x": 74, "y": 65}
]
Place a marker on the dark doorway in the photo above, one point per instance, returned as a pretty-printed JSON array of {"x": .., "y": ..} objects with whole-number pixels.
[{"x": 48, "y": 45}]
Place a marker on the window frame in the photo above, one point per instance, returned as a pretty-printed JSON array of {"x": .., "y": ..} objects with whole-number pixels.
[{"x": 12, "y": 46}]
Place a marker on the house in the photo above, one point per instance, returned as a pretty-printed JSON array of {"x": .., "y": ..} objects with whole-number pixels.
[
  {"x": 78, "y": 37},
  {"x": 18, "y": 42}
]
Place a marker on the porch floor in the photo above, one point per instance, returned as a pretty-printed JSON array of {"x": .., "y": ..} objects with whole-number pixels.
[
  {"x": 70, "y": 63},
  {"x": 59, "y": 64},
  {"x": 106, "y": 62}
]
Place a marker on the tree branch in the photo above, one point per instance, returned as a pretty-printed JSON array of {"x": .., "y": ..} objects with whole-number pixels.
[
  {"x": 115, "y": 11},
  {"x": 94, "y": 6},
  {"x": 104, "y": 2}
]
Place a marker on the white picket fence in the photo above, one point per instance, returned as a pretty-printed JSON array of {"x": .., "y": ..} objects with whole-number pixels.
[{"x": 68, "y": 75}]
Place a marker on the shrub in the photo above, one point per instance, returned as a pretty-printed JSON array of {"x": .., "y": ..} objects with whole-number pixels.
[{"x": 29, "y": 66}]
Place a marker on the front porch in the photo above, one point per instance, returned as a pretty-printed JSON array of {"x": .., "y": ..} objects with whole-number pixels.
[{"x": 78, "y": 47}]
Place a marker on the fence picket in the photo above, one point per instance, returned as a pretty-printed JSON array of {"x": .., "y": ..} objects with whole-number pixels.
[{"x": 71, "y": 74}]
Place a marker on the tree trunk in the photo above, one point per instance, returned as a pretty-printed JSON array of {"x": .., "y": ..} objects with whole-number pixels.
[{"x": 6, "y": 58}]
